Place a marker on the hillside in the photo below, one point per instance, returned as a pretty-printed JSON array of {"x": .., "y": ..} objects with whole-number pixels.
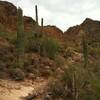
[
  {"x": 53, "y": 31},
  {"x": 8, "y": 19},
  {"x": 42, "y": 63},
  {"x": 90, "y": 27}
]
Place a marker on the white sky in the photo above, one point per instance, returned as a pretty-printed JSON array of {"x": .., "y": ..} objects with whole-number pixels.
[{"x": 62, "y": 13}]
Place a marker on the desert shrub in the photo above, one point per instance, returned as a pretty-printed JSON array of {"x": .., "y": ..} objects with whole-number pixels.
[
  {"x": 33, "y": 42},
  {"x": 37, "y": 44},
  {"x": 75, "y": 82},
  {"x": 17, "y": 74},
  {"x": 13, "y": 39},
  {"x": 5, "y": 33},
  {"x": 69, "y": 52},
  {"x": 60, "y": 88},
  {"x": 94, "y": 51},
  {"x": 43, "y": 45},
  {"x": 51, "y": 47},
  {"x": 57, "y": 89},
  {"x": 60, "y": 61}
]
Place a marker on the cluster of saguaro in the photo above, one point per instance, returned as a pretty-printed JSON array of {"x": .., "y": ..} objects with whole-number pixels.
[
  {"x": 36, "y": 13},
  {"x": 21, "y": 35},
  {"x": 37, "y": 29},
  {"x": 20, "y": 38}
]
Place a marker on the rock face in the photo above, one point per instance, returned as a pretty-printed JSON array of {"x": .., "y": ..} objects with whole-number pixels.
[
  {"x": 53, "y": 31},
  {"x": 90, "y": 27},
  {"x": 6, "y": 57},
  {"x": 28, "y": 24},
  {"x": 8, "y": 15},
  {"x": 8, "y": 18}
]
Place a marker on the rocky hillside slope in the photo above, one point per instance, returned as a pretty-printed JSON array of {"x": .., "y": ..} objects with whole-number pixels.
[
  {"x": 8, "y": 19},
  {"x": 90, "y": 27},
  {"x": 53, "y": 31}
]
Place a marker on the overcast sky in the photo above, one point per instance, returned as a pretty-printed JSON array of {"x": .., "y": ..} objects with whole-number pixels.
[{"x": 62, "y": 13}]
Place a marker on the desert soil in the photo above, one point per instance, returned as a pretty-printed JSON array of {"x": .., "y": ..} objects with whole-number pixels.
[{"x": 11, "y": 90}]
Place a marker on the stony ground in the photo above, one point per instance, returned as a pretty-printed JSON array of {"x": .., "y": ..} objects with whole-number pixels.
[{"x": 10, "y": 90}]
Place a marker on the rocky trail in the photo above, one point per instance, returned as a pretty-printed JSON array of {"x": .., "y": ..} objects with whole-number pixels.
[{"x": 10, "y": 90}]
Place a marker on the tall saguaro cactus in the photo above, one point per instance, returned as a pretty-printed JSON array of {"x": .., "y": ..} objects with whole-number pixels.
[
  {"x": 20, "y": 38},
  {"x": 36, "y": 13},
  {"x": 85, "y": 51},
  {"x": 84, "y": 47},
  {"x": 41, "y": 26},
  {"x": 42, "y": 22}
]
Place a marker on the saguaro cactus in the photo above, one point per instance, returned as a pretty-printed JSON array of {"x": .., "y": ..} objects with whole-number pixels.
[
  {"x": 41, "y": 26},
  {"x": 36, "y": 13},
  {"x": 42, "y": 22},
  {"x": 20, "y": 38},
  {"x": 84, "y": 47},
  {"x": 85, "y": 50}
]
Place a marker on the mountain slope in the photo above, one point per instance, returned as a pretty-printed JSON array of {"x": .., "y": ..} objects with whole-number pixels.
[
  {"x": 90, "y": 27},
  {"x": 8, "y": 19}
]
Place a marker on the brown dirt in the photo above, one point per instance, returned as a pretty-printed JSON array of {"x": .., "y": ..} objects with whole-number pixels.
[{"x": 11, "y": 90}]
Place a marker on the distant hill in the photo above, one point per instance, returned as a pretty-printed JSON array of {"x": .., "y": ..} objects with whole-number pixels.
[
  {"x": 8, "y": 22},
  {"x": 90, "y": 27}
]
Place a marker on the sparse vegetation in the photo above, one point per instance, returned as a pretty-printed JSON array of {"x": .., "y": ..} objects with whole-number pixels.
[
  {"x": 17, "y": 74},
  {"x": 85, "y": 50},
  {"x": 44, "y": 46},
  {"x": 73, "y": 64},
  {"x": 51, "y": 47}
]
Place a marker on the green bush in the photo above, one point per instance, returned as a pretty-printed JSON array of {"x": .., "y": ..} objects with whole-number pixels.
[
  {"x": 94, "y": 51},
  {"x": 59, "y": 60},
  {"x": 51, "y": 47},
  {"x": 43, "y": 45},
  {"x": 33, "y": 42},
  {"x": 76, "y": 81},
  {"x": 5, "y": 33},
  {"x": 13, "y": 39}
]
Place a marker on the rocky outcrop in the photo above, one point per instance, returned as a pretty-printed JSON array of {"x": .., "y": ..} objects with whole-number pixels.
[
  {"x": 90, "y": 27},
  {"x": 8, "y": 17},
  {"x": 28, "y": 23},
  {"x": 53, "y": 31}
]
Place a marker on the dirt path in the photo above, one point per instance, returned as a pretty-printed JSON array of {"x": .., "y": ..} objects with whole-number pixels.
[{"x": 10, "y": 90}]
